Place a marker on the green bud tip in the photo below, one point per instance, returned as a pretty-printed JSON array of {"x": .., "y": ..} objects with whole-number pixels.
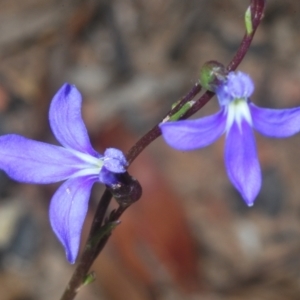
[
  {"x": 248, "y": 21},
  {"x": 89, "y": 278}
]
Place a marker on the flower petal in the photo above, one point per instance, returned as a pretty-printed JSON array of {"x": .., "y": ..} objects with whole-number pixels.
[
  {"x": 115, "y": 161},
  {"x": 239, "y": 85},
  {"x": 193, "y": 134},
  {"x": 275, "y": 122},
  {"x": 66, "y": 121},
  {"x": 30, "y": 161},
  {"x": 107, "y": 177},
  {"x": 241, "y": 161},
  {"x": 68, "y": 209}
]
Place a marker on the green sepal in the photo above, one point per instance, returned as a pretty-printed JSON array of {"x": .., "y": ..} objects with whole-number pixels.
[
  {"x": 176, "y": 116},
  {"x": 105, "y": 230}
]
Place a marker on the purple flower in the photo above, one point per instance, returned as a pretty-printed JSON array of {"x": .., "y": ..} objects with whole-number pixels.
[
  {"x": 236, "y": 118},
  {"x": 76, "y": 162}
]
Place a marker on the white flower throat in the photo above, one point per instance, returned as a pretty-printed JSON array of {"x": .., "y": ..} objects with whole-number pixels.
[{"x": 238, "y": 110}]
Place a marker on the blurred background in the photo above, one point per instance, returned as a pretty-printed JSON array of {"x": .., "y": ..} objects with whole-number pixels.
[{"x": 190, "y": 236}]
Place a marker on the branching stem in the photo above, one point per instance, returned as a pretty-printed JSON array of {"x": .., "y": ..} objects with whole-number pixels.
[{"x": 90, "y": 253}]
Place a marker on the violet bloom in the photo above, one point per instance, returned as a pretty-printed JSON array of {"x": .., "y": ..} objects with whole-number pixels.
[
  {"x": 236, "y": 118},
  {"x": 76, "y": 162}
]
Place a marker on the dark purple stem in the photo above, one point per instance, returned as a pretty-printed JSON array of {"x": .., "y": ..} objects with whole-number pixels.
[
  {"x": 142, "y": 143},
  {"x": 257, "y": 10},
  {"x": 90, "y": 253},
  {"x": 101, "y": 211},
  {"x": 114, "y": 216},
  {"x": 155, "y": 132}
]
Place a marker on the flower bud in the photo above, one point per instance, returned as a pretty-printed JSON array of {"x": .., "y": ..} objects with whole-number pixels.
[
  {"x": 126, "y": 190},
  {"x": 212, "y": 74}
]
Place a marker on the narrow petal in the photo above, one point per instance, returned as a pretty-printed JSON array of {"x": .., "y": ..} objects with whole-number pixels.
[
  {"x": 30, "y": 161},
  {"x": 66, "y": 121},
  {"x": 276, "y": 122},
  {"x": 241, "y": 161},
  {"x": 193, "y": 134},
  {"x": 68, "y": 209}
]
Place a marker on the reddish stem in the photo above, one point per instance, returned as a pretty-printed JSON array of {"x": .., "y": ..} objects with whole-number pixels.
[{"x": 87, "y": 258}]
